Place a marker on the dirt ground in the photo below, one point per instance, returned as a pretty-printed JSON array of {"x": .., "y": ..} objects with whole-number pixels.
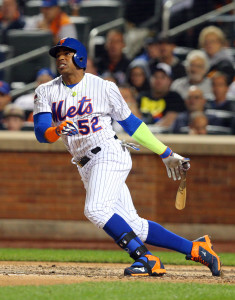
[{"x": 45, "y": 273}]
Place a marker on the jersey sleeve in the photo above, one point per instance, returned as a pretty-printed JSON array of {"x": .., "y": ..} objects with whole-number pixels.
[
  {"x": 119, "y": 108},
  {"x": 41, "y": 101}
]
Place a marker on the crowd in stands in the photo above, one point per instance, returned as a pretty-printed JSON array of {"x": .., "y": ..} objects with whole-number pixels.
[{"x": 194, "y": 94}]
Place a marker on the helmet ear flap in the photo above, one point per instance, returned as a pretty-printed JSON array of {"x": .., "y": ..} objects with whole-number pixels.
[
  {"x": 79, "y": 61},
  {"x": 75, "y": 59}
]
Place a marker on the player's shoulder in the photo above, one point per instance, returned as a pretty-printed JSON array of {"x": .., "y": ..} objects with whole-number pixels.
[
  {"x": 97, "y": 78},
  {"x": 50, "y": 84}
]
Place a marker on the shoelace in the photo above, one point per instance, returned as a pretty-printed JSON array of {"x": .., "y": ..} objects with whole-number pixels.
[{"x": 199, "y": 259}]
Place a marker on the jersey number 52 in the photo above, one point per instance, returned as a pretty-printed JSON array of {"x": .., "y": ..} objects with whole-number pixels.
[{"x": 85, "y": 127}]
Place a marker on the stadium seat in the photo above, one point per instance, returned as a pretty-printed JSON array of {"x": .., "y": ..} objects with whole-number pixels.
[
  {"x": 22, "y": 42},
  {"x": 83, "y": 26},
  {"x": 101, "y": 12},
  {"x": 218, "y": 130},
  {"x": 225, "y": 117},
  {"x": 32, "y": 7},
  {"x": 211, "y": 130},
  {"x": 182, "y": 52}
]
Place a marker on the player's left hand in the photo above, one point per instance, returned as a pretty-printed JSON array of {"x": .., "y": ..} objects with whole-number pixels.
[
  {"x": 67, "y": 128},
  {"x": 176, "y": 165}
]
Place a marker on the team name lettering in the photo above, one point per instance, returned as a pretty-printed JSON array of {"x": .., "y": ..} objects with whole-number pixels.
[{"x": 84, "y": 107}]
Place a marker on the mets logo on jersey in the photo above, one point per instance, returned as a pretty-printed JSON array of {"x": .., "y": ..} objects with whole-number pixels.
[{"x": 84, "y": 107}]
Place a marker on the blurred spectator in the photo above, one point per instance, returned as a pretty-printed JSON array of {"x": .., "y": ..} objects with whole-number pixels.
[
  {"x": 220, "y": 88},
  {"x": 198, "y": 123},
  {"x": 166, "y": 47},
  {"x": 13, "y": 118},
  {"x": 201, "y": 7},
  {"x": 110, "y": 77},
  {"x": 136, "y": 13},
  {"x": 138, "y": 75},
  {"x": 91, "y": 67},
  {"x": 221, "y": 106},
  {"x": 197, "y": 66},
  {"x": 128, "y": 94},
  {"x": 231, "y": 91},
  {"x": 151, "y": 52},
  {"x": 26, "y": 102},
  {"x": 10, "y": 18},
  {"x": 213, "y": 41},
  {"x": 194, "y": 102},
  {"x": 166, "y": 51},
  {"x": 114, "y": 60},
  {"x": 160, "y": 105},
  {"x": 74, "y": 5},
  {"x": 180, "y": 13},
  {"x": 5, "y": 96},
  {"x": 54, "y": 19}
]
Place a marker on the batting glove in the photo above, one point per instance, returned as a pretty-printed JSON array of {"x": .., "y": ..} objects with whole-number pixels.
[
  {"x": 67, "y": 128},
  {"x": 175, "y": 164}
]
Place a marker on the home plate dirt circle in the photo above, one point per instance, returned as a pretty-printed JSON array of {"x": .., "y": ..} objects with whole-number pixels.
[{"x": 45, "y": 273}]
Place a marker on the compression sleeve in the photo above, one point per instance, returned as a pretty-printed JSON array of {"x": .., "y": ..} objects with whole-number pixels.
[
  {"x": 141, "y": 133},
  {"x": 145, "y": 137},
  {"x": 42, "y": 128},
  {"x": 130, "y": 124}
]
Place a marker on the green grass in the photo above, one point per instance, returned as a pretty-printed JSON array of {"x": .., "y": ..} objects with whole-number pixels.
[
  {"x": 103, "y": 256},
  {"x": 138, "y": 290},
  {"x": 112, "y": 290}
]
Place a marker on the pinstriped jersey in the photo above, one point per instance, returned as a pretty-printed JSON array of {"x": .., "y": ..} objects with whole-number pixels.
[{"x": 91, "y": 104}]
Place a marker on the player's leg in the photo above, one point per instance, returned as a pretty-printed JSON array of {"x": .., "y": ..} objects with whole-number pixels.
[
  {"x": 103, "y": 181},
  {"x": 200, "y": 250},
  {"x": 149, "y": 232},
  {"x": 147, "y": 264},
  {"x": 154, "y": 234}
]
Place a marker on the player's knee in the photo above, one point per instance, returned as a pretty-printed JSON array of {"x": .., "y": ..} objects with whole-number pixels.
[
  {"x": 89, "y": 214},
  {"x": 96, "y": 216}
]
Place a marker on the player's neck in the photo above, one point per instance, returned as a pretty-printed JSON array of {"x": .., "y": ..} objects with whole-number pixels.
[{"x": 73, "y": 79}]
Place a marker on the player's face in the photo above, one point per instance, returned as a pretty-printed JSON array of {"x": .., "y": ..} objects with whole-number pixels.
[{"x": 64, "y": 61}]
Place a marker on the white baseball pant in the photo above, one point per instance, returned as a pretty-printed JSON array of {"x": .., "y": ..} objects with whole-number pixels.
[{"x": 104, "y": 179}]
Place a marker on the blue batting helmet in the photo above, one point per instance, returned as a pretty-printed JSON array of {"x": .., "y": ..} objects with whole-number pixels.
[{"x": 80, "y": 56}]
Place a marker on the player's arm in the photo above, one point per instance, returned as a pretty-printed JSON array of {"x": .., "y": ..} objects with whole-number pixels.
[
  {"x": 45, "y": 133},
  {"x": 141, "y": 133}
]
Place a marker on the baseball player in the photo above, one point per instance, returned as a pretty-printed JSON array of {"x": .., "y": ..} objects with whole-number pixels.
[{"x": 78, "y": 107}]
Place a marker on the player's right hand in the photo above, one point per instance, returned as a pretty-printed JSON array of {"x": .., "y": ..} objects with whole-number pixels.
[
  {"x": 67, "y": 128},
  {"x": 176, "y": 165}
]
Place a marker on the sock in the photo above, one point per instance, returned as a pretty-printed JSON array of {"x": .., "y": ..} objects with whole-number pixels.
[
  {"x": 161, "y": 237},
  {"x": 122, "y": 233}
]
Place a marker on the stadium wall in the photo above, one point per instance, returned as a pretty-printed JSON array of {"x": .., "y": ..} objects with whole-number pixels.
[{"x": 42, "y": 195}]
